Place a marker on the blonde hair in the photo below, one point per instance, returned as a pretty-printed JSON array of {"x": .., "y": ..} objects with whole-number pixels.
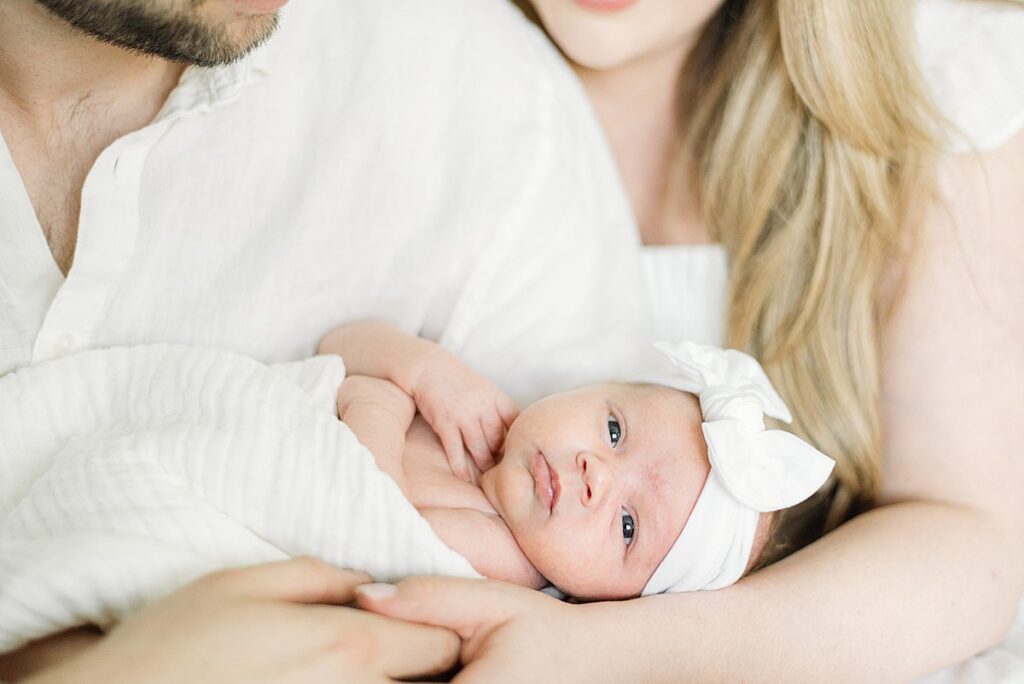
[
  {"x": 806, "y": 128},
  {"x": 810, "y": 130}
]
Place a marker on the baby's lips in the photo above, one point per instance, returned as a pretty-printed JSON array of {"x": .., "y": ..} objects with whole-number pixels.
[
  {"x": 541, "y": 472},
  {"x": 556, "y": 487}
]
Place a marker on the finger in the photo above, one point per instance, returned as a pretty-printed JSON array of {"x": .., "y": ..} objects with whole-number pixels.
[
  {"x": 473, "y": 437},
  {"x": 465, "y": 606},
  {"x": 451, "y": 440},
  {"x": 507, "y": 409},
  {"x": 494, "y": 432},
  {"x": 300, "y": 580},
  {"x": 399, "y": 649}
]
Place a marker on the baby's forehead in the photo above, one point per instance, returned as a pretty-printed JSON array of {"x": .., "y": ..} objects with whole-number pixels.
[
  {"x": 676, "y": 460},
  {"x": 682, "y": 406}
]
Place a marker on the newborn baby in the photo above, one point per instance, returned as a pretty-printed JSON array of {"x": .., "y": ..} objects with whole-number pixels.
[{"x": 607, "y": 492}]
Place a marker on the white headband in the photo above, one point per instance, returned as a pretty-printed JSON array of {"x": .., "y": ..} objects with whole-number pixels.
[{"x": 753, "y": 470}]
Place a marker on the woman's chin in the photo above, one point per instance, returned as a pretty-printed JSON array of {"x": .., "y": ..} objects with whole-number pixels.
[{"x": 599, "y": 55}]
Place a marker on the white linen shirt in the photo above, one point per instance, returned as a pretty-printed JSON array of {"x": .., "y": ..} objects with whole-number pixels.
[{"x": 431, "y": 163}]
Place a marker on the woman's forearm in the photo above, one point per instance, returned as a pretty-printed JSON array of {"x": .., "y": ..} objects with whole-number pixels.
[{"x": 895, "y": 593}]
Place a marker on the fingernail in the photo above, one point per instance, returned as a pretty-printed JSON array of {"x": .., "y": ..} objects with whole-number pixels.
[{"x": 377, "y": 590}]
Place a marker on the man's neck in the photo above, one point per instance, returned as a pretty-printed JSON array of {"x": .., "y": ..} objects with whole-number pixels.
[
  {"x": 48, "y": 70},
  {"x": 64, "y": 98}
]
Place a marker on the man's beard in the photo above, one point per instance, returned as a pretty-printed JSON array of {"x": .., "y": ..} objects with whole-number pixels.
[{"x": 175, "y": 34}]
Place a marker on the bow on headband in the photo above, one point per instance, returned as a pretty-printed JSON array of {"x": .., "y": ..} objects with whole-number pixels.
[{"x": 753, "y": 470}]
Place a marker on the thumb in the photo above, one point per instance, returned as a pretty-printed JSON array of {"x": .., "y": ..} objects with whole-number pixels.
[
  {"x": 468, "y": 607},
  {"x": 296, "y": 580}
]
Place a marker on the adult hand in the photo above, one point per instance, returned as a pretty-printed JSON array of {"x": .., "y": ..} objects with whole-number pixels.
[
  {"x": 277, "y": 622},
  {"x": 509, "y": 633}
]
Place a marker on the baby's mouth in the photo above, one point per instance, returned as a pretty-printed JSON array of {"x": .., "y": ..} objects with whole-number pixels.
[{"x": 546, "y": 483}]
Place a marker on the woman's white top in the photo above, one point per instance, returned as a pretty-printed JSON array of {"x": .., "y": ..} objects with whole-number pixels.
[
  {"x": 972, "y": 55},
  {"x": 686, "y": 285}
]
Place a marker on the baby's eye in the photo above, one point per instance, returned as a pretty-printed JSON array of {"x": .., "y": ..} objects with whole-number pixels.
[
  {"x": 628, "y": 527},
  {"x": 614, "y": 430}
]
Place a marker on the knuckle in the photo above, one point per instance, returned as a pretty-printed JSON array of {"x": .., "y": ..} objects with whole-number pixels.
[
  {"x": 420, "y": 587},
  {"x": 310, "y": 562},
  {"x": 220, "y": 579},
  {"x": 355, "y": 648},
  {"x": 313, "y": 566},
  {"x": 318, "y": 571}
]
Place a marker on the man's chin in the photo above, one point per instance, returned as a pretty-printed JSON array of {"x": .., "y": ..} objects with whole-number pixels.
[{"x": 156, "y": 29}]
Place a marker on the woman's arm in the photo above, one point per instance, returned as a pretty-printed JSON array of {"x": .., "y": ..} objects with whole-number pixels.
[{"x": 929, "y": 578}]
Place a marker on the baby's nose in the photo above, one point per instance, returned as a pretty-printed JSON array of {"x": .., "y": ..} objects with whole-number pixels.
[{"x": 593, "y": 478}]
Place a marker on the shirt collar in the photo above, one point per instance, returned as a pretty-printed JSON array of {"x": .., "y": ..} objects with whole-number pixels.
[{"x": 202, "y": 89}]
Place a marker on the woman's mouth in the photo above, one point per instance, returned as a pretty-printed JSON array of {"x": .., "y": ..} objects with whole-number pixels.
[
  {"x": 605, "y": 5},
  {"x": 546, "y": 484}
]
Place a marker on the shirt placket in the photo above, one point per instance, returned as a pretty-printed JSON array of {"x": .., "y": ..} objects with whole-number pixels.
[
  {"x": 108, "y": 227},
  {"x": 109, "y": 216}
]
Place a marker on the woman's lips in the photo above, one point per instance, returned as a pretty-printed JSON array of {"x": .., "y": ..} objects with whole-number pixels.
[
  {"x": 605, "y": 5},
  {"x": 546, "y": 482}
]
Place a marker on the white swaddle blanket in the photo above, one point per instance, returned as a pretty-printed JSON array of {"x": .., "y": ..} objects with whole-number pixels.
[{"x": 125, "y": 473}]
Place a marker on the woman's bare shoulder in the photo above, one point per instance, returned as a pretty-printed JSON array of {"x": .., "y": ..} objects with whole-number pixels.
[{"x": 952, "y": 358}]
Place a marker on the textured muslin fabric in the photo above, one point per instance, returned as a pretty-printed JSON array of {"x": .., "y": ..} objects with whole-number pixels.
[{"x": 127, "y": 472}]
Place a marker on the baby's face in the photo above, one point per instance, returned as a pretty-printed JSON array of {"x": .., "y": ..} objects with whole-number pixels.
[{"x": 596, "y": 484}]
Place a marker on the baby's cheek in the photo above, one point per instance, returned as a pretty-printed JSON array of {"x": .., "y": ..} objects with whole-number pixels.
[{"x": 568, "y": 568}]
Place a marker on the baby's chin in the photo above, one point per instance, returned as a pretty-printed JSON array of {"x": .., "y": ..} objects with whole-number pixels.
[
  {"x": 592, "y": 596},
  {"x": 487, "y": 484},
  {"x": 587, "y": 591}
]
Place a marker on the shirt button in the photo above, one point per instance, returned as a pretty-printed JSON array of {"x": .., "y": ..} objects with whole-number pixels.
[{"x": 63, "y": 344}]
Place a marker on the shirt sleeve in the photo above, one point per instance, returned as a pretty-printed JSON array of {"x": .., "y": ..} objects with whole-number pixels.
[{"x": 972, "y": 56}]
